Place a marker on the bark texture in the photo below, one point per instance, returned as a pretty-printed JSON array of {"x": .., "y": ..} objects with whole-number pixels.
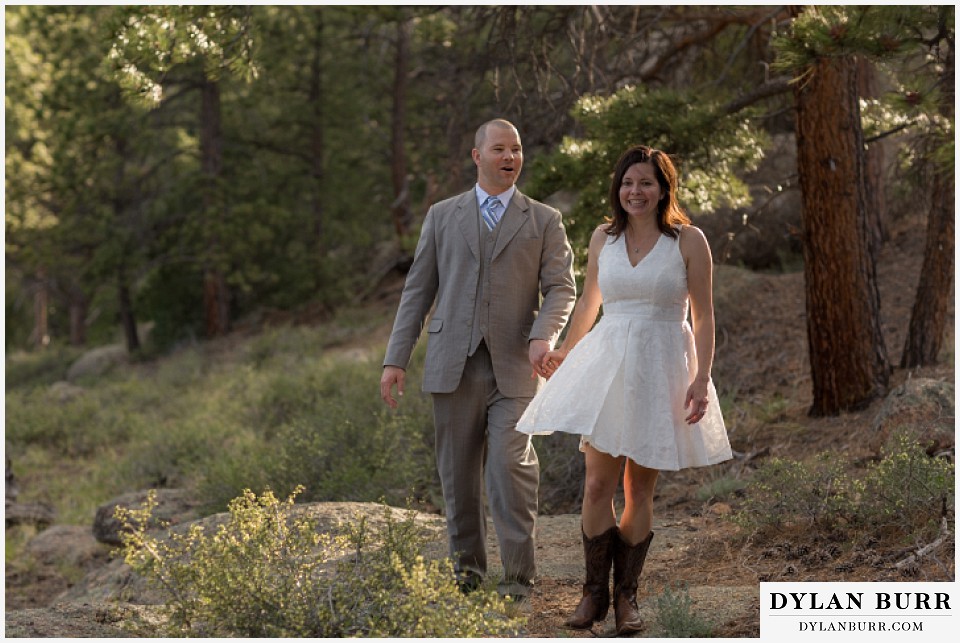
[
  {"x": 928, "y": 318},
  {"x": 848, "y": 358}
]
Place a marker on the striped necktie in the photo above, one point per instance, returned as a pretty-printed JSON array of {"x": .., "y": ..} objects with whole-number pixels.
[{"x": 490, "y": 211}]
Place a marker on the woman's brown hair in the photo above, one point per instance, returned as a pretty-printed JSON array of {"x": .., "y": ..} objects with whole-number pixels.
[{"x": 669, "y": 214}]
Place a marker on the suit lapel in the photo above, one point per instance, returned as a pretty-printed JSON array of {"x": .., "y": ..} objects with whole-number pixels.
[
  {"x": 513, "y": 219},
  {"x": 468, "y": 216}
]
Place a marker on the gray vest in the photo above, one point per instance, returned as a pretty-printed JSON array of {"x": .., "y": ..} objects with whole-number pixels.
[{"x": 481, "y": 305}]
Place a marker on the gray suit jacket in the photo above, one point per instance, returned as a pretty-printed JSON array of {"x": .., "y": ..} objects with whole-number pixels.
[{"x": 532, "y": 258}]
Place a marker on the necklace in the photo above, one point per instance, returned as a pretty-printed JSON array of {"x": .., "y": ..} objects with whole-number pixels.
[{"x": 633, "y": 248}]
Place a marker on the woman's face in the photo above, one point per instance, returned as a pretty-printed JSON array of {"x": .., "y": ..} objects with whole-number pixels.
[{"x": 640, "y": 191}]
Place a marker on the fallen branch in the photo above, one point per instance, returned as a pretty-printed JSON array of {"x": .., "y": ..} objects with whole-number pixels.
[
  {"x": 926, "y": 549},
  {"x": 745, "y": 458}
]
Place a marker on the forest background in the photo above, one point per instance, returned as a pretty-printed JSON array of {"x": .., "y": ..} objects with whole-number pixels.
[{"x": 219, "y": 197}]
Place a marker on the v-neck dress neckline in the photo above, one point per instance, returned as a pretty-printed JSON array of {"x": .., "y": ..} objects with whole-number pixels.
[{"x": 626, "y": 249}]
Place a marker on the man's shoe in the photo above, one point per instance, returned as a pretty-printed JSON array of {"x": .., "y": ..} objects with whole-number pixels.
[
  {"x": 515, "y": 590},
  {"x": 468, "y": 582},
  {"x": 521, "y": 602}
]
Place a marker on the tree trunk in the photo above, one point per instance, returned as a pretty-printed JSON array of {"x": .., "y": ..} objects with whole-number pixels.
[
  {"x": 402, "y": 217},
  {"x": 848, "y": 359},
  {"x": 216, "y": 296},
  {"x": 929, "y": 315},
  {"x": 876, "y": 198},
  {"x": 41, "y": 310},
  {"x": 78, "y": 318},
  {"x": 127, "y": 318},
  {"x": 316, "y": 132}
]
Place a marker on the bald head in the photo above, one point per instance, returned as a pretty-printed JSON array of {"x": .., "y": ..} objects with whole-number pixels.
[{"x": 499, "y": 123}]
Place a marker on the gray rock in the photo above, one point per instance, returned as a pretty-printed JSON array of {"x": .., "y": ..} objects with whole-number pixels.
[
  {"x": 922, "y": 407},
  {"x": 65, "y": 391},
  {"x": 82, "y": 621},
  {"x": 69, "y": 545},
  {"x": 174, "y": 507},
  {"x": 97, "y": 362},
  {"x": 115, "y": 582}
]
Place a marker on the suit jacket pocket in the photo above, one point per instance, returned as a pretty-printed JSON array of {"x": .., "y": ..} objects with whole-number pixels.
[{"x": 435, "y": 326}]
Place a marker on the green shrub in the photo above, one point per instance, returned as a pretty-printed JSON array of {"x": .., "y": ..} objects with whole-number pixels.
[
  {"x": 284, "y": 345},
  {"x": 246, "y": 463},
  {"x": 77, "y": 427},
  {"x": 269, "y": 572},
  {"x": 906, "y": 488},
  {"x": 171, "y": 454},
  {"x": 349, "y": 461},
  {"x": 284, "y": 399},
  {"x": 40, "y": 367},
  {"x": 325, "y": 428},
  {"x": 676, "y": 618},
  {"x": 789, "y": 492},
  {"x": 277, "y": 412}
]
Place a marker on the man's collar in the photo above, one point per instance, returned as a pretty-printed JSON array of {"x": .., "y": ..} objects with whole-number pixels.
[{"x": 505, "y": 196}]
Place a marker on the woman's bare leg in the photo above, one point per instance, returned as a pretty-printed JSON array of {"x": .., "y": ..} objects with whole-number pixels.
[
  {"x": 600, "y": 485},
  {"x": 639, "y": 484}
]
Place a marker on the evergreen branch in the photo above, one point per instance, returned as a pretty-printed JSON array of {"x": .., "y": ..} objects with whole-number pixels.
[
  {"x": 745, "y": 41},
  {"x": 767, "y": 90},
  {"x": 883, "y": 135}
]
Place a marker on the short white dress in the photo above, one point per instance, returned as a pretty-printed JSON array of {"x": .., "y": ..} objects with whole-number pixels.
[{"x": 622, "y": 387}]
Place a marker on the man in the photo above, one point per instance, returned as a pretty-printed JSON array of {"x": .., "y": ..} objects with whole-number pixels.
[{"x": 485, "y": 258}]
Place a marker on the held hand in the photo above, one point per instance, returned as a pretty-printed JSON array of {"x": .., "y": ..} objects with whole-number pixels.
[
  {"x": 551, "y": 362},
  {"x": 696, "y": 400},
  {"x": 535, "y": 352},
  {"x": 391, "y": 375}
]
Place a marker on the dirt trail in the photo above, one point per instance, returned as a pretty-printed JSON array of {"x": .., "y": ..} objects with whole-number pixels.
[{"x": 730, "y": 606}]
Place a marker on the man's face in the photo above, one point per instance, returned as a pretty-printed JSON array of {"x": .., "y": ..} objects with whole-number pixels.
[{"x": 499, "y": 159}]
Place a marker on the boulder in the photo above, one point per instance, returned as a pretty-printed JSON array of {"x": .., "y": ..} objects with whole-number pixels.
[
  {"x": 68, "y": 545},
  {"x": 71, "y": 621},
  {"x": 39, "y": 514},
  {"x": 64, "y": 391},
  {"x": 24, "y": 513},
  {"x": 11, "y": 486},
  {"x": 922, "y": 407},
  {"x": 174, "y": 507},
  {"x": 117, "y": 582},
  {"x": 97, "y": 362}
]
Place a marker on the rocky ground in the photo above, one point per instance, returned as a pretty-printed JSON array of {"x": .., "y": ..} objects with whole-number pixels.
[
  {"x": 693, "y": 548},
  {"x": 99, "y": 605},
  {"x": 761, "y": 353}
]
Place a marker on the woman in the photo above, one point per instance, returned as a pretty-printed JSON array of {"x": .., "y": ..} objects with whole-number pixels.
[{"x": 644, "y": 398}]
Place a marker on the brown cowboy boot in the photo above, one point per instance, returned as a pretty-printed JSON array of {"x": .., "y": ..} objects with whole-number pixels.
[
  {"x": 598, "y": 556},
  {"x": 627, "y": 565}
]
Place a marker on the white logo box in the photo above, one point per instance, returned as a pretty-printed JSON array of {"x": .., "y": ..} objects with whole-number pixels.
[{"x": 858, "y": 611}]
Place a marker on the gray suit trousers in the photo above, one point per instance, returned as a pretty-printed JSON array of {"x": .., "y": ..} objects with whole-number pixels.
[{"x": 476, "y": 441}]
